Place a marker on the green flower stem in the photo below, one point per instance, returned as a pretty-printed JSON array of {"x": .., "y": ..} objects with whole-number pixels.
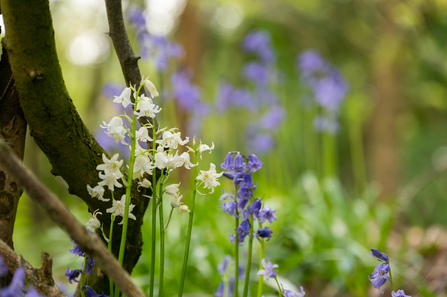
[
  {"x": 261, "y": 256},
  {"x": 162, "y": 238},
  {"x": 109, "y": 246},
  {"x": 250, "y": 249},
  {"x": 188, "y": 237},
  {"x": 236, "y": 255},
  {"x": 279, "y": 287},
  {"x": 154, "y": 213},
  {"x": 169, "y": 218},
  {"x": 391, "y": 279},
  {"x": 83, "y": 275},
  {"x": 128, "y": 187}
]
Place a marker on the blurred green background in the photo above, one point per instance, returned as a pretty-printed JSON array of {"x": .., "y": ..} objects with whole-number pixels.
[{"x": 377, "y": 182}]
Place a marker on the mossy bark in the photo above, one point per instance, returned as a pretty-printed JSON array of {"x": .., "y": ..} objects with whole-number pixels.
[{"x": 53, "y": 120}]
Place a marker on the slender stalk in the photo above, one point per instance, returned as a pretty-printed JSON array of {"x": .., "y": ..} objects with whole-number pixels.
[
  {"x": 154, "y": 215},
  {"x": 391, "y": 279},
  {"x": 129, "y": 187},
  {"x": 109, "y": 246},
  {"x": 261, "y": 256},
  {"x": 169, "y": 218},
  {"x": 162, "y": 238},
  {"x": 250, "y": 249},
  {"x": 83, "y": 275},
  {"x": 188, "y": 237},
  {"x": 279, "y": 287},
  {"x": 236, "y": 250}
]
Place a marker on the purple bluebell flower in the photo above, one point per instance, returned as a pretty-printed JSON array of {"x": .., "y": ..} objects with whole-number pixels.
[
  {"x": 312, "y": 66},
  {"x": 90, "y": 264},
  {"x": 245, "y": 193},
  {"x": 232, "y": 237},
  {"x": 186, "y": 94},
  {"x": 244, "y": 98},
  {"x": 268, "y": 270},
  {"x": 378, "y": 278},
  {"x": 243, "y": 230},
  {"x": 229, "y": 175},
  {"x": 259, "y": 43},
  {"x": 267, "y": 214},
  {"x": 90, "y": 293},
  {"x": 248, "y": 182},
  {"x": 255, "y": 208},
  {"x": 72, "y": 275},
  {"x": 16, "y": 286},
  {"x": 230, "y": 208},
  {"x": 272, "y": 119},
  {"x": 223, "y": 266},
  {"x": 220, "y": 290},
  {"x": 228, "y": 162},
  {"x": 4, "y": 270},
  {"x": 399, "y": 293},
  {"x": 331, "y": 90},
  {"x": 245, "y": 215},
  {"x": 241, "y": 273},
  {"x": 239, "y": 164},
  {"x": 261, "y": 143},
  {"x": 238, "y": 178},
  {"x": 379, "y": 255},
  {"x": 33, "y": 293},
  {"x": 290, "y": 293},
  {"x": 264, "y": 233},
  {"x": 76, "y": 250},
  {"x": 136, "y": 17},
  {"x": 242, "y": 202},
  {"x": 257, "y": 72},
  {"x": 254, "y": 164},
  {"x": 225, "y": 195}
]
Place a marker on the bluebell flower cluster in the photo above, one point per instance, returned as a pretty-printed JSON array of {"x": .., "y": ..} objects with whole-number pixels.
[
  {"x": 89, "y": 292},
  {"x": 259, "y": 99},
  {"x": 75, "y": 273},
  {"x": 17, "y": 286},
  {"x": 327, "y": 85},
  {"x": 240, "y": 169},
  {"x": 379, "y": 276}
]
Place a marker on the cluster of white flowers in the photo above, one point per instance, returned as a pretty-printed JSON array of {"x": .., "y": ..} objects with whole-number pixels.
[{"x": 167, "y": 155}]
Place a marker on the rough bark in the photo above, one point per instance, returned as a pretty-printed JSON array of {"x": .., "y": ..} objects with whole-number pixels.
[
  {"x": 53, "y": 120},
  {"x": 13, "y": 130},
  {"x": 40, "y": 278},
  {"x": 59, "y": 213}
]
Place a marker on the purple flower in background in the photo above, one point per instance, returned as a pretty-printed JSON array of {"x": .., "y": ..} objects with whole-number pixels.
[
  {"x": 264, "y": 233},
  {"x": 268, "y": 270},
  {"x": 136, "y": 17},
  {"x": 290, "y": 293},
  {"x": 261, "y": 143},
  {"x": 256, "y": 72},
  {"x": 273, "y": 118},
  {"x": 230, "y": 208},
  {"x": 72, "y": 275},
  {"x": 267, "y": 214},
  {"x": 312, "y": 67},
  {"x": 223, "y": 266},
  {"x": 16, "y": 286},
  {"x": 254, "y": 164},
  {"x": 244, "y": 98},
  {"x": 4, "y": 270},
  {"x": 259, "y": 43},
  {"x": 399, "y": 293},
  {"x": 33, "y": 293},
  {"x": 378, "y": 278},
  {"x": 110, "y": 90},
  {"x": 186, "y": 94},
  {"x": 224, "y": 96},
  {"x": 379, "y": 255},
  {"x": 331, "y": 90}
]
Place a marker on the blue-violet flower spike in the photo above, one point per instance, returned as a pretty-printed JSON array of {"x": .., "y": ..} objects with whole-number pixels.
[
  {"x": 267, "y": 214},
  {"x": 264, "y": 233},
  {"x": 379, "y": 255},
  {"x": 268, "y": 270},
  {"x": 378, "y": 278}
]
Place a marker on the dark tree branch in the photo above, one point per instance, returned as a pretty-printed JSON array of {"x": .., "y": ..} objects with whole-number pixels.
[
  {"x": 13, "y": 130},
  {"x": 40, "y": 278},
  {"x": 59, "y": 213}
]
